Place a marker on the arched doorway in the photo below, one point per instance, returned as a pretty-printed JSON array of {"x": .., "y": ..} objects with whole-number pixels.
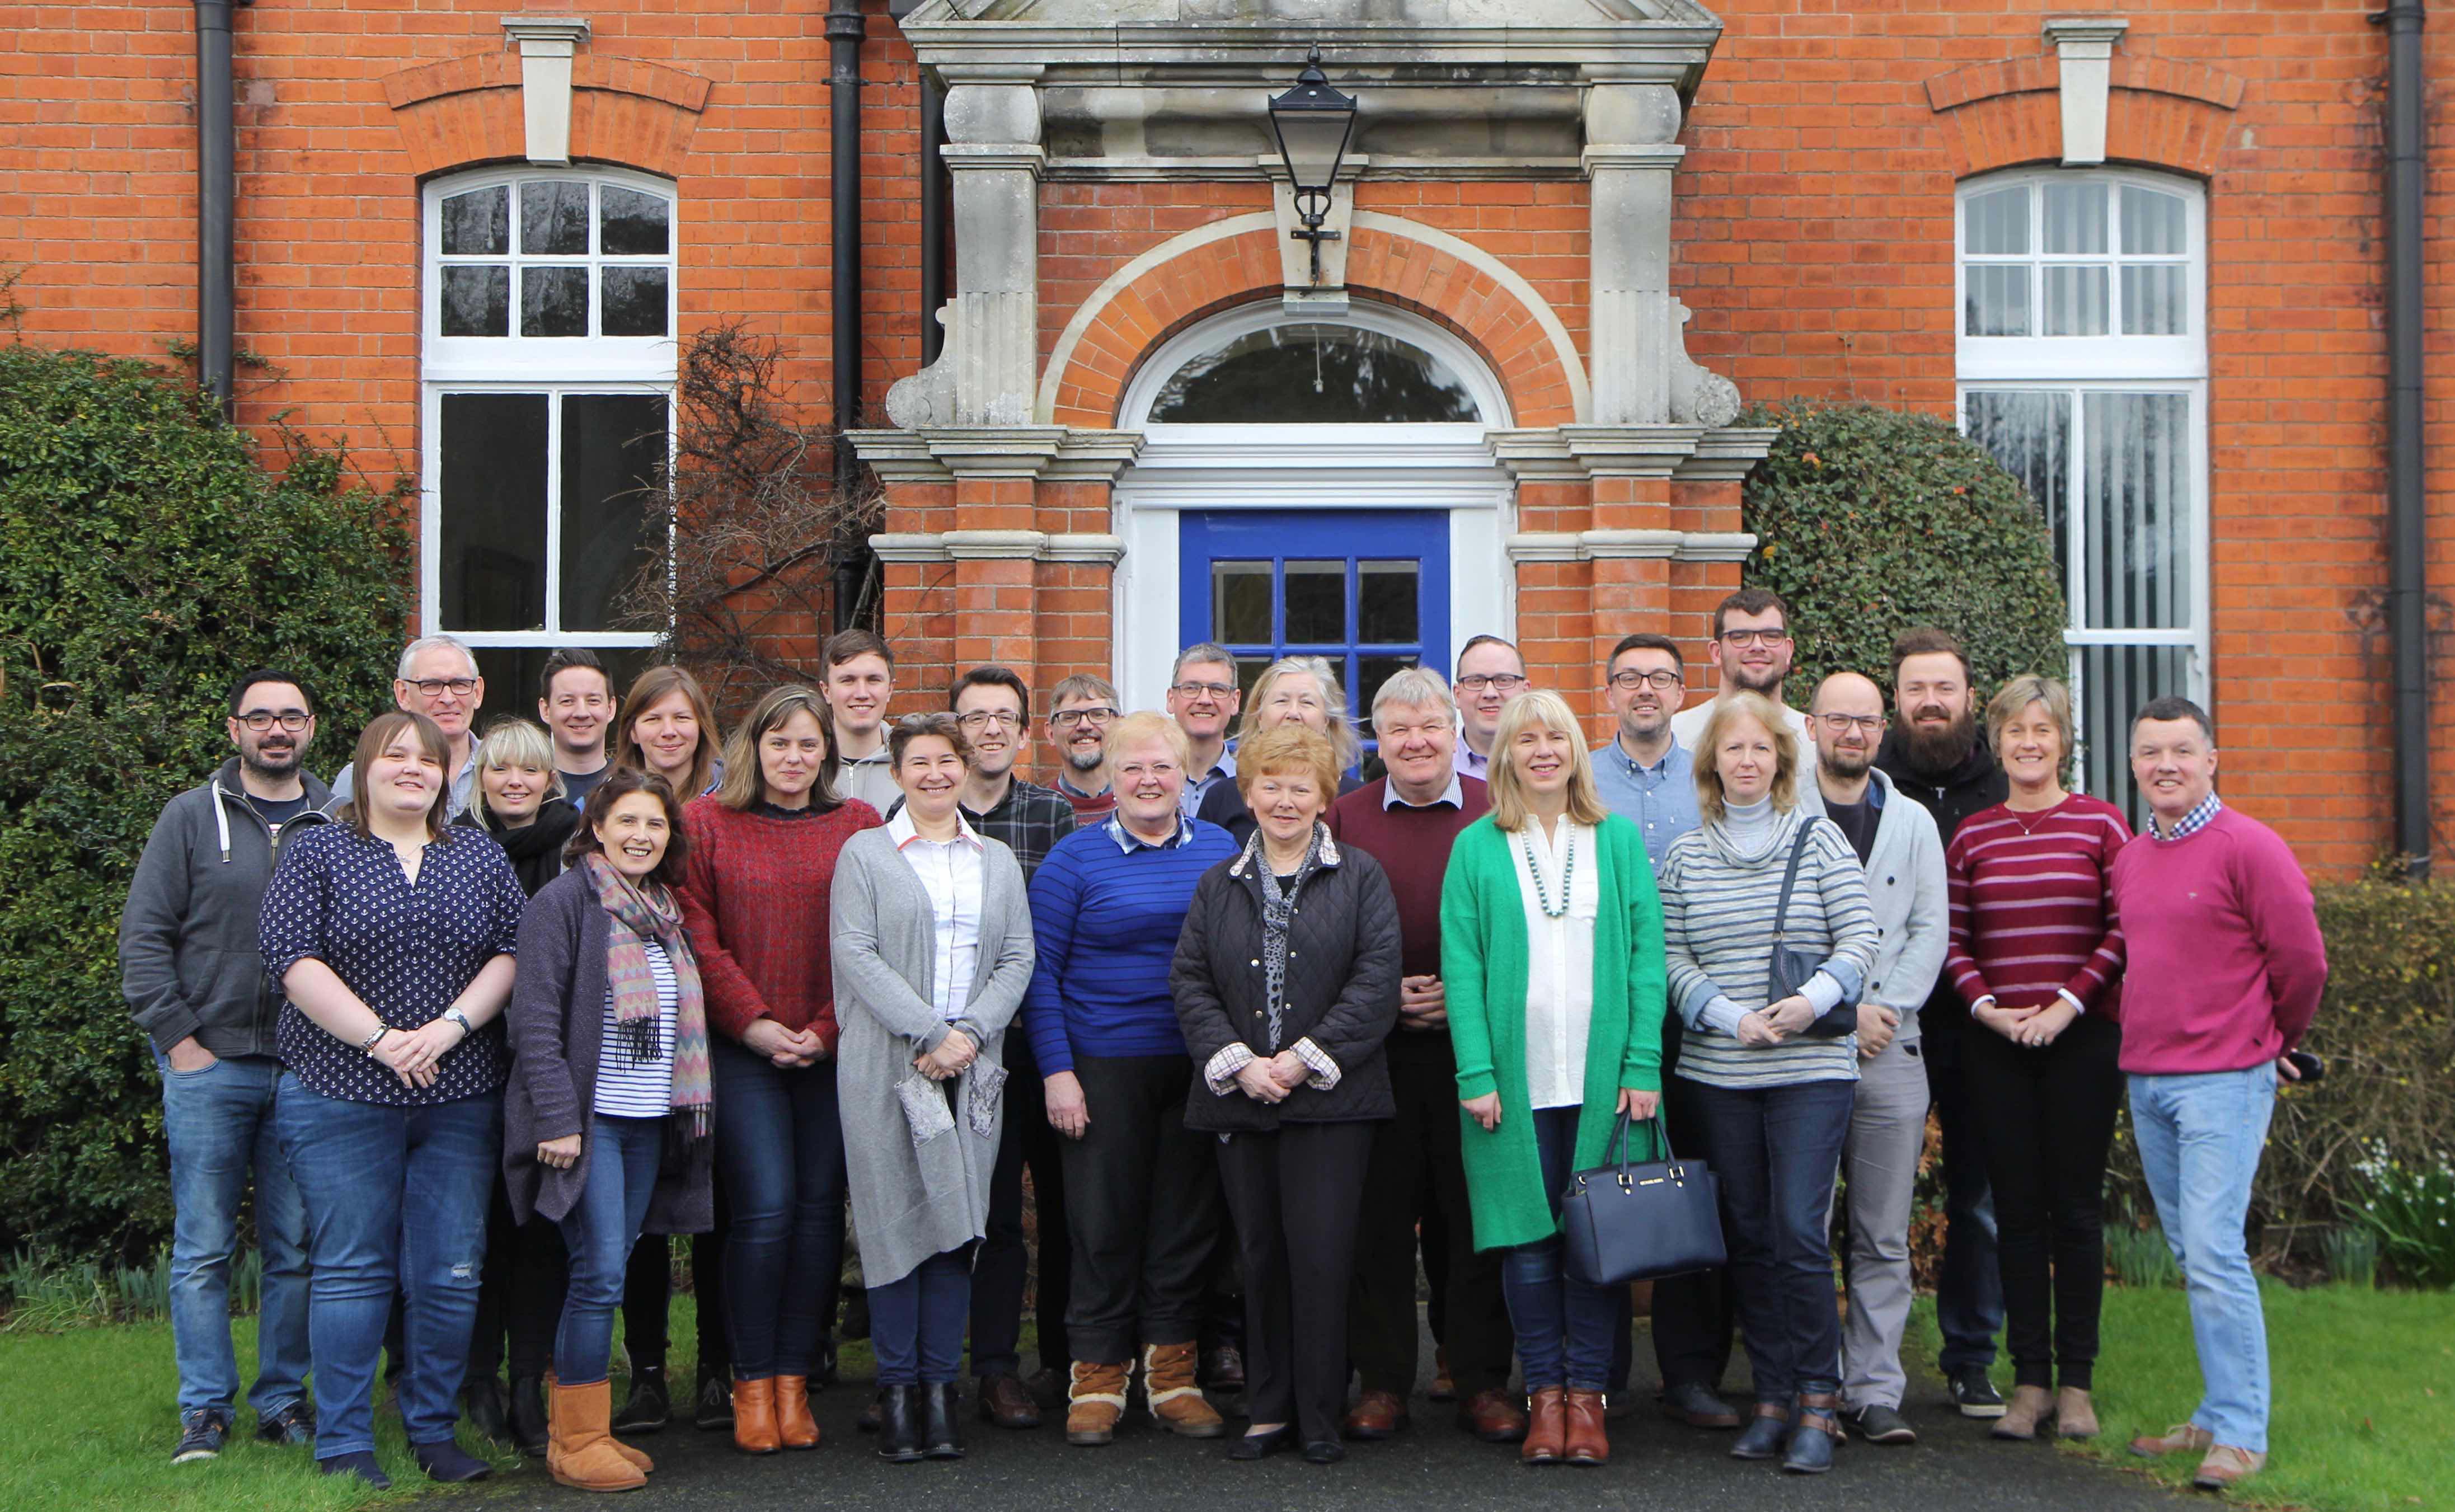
[{"x": 1314, "y": 483}]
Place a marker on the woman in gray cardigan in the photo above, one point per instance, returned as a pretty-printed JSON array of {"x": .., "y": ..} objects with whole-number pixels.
[
  {"x": 932, "y": 953},
  {"x": 607, "y": 1113}
]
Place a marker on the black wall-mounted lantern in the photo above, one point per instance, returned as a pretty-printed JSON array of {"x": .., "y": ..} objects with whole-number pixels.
[{"x": 1313, "y": 123}]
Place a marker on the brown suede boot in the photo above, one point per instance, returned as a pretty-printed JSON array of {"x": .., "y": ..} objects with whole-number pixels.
[
  {"x": 754, "y": 1417},
  {"x": 794, "y": 1427},
  {"x": 2075, "y": 1415},
  {"x": 1094, "y": 1400},
  {"x": 1584, "y": 1440},
  {"x": 1176, "y": 1400},
  {"x": 2021, "y": 1419},
  {"x": 1547, "y": 1426},
  {"x": 639, "y": 1458},
  {"x": 579, "y": 1452}
]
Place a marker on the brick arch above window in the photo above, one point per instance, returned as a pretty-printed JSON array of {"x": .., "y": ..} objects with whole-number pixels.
[
  {"x": 1390, "y": 260},
  {"x": 466, "y": 111},
  {"x": 2160, "y": 113}
]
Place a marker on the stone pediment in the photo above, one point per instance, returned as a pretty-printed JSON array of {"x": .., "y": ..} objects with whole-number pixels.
[{"x": 1276, "y": 13}]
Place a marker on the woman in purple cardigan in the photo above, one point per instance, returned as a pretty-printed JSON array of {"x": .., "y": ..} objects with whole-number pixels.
[{"x": 607, "y": 1112}]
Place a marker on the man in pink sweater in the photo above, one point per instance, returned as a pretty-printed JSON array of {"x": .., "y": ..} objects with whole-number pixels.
[{"x": 2226, "y": 969}]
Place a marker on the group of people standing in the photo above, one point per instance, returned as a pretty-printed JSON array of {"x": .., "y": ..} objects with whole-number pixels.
[{"x": 489, "y": 1011}]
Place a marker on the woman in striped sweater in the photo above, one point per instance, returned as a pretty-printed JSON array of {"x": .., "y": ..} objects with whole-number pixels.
[
  {"x": 1775, "y": 1095},
  {"x": 2036, "y": 951}
]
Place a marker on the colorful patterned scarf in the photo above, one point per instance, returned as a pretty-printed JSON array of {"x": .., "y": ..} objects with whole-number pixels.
[{"x": 637, "y": 914}]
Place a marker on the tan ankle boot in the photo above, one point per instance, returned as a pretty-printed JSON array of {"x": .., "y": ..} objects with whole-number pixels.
[
  {"x": 794, "y": 1427},
  {"x": 754, "y": 1417},
  {"x": 2020, "y": 1420},
  {"x": 1176, "y": 1400},
  {"x": 579, "y": 1452},
  {"x": 1095, "y": 1398},
  {"x": 2075, "y": 1415}
]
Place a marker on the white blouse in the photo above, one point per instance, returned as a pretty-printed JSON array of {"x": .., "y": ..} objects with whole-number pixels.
[
  {"x": 951, "y": 871},
  {"x": 1559, "y": 957}
]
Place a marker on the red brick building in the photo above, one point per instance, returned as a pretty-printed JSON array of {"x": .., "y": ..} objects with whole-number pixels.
[{"x": 2139, "y": 253}]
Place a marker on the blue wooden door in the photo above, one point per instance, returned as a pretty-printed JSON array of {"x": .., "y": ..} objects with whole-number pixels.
[{"x": 1368, "y": 589}]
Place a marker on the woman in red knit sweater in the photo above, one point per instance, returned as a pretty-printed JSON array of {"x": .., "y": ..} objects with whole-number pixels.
[
  {"x": 762, "y": 861},
  {"x": 2036, "y": 951}
]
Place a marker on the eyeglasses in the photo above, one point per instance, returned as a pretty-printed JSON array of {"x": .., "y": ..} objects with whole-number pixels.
[
  {"x": 1190, "y": 691},
  {"x": 1068, "y": 718},
  {"x": 437, "y": 687},
  {"x": 1844, "y": 723},
  {"x": 1631, "y": 680},
  {"x": 1737, "y": 640},
  {"x": 290, "y": 720},
  {"x": 1477, "y": 682},
  {"x": 982, "y": 718}
]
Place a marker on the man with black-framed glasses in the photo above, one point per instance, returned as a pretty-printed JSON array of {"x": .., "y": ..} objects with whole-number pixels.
[
  {"x": 1203, "y": 698},
  {"x": 1750, "y": 652},
  {"x": 438, "y": 676},
  {"x": 194, "y": 977},
  {"x": 1080, "y": 711},
  {"x": 1489, "y": 673}
]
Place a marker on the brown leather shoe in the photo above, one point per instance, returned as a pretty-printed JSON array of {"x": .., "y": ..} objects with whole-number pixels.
[
  {"x": 1492, "y": 1416},
  {"x": 1444, "y": 1385},
  {"x": 794, "y": 1427},
  {"x": 2225, "y": 1467},
  {"x": 1585, "y": 1441},
  {"x": 1007, "y": 1402},
  {"x": 754, "y": 1417},
  {"x": 2182, "y": 1438},
  {"x": 1547, "y": 1427},
  {"x": 1377, "y": 1415}
]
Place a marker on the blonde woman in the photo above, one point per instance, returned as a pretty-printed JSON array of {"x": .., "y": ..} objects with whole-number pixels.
[
  {"x": 1551, "y": 958},
  {"x": 1303, "y": 690},
  {"x": 1773, "y": 1095},
  {"x": 518, "y": 800}
]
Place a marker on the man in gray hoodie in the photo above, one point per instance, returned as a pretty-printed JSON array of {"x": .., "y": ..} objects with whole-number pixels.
[{"x": 190, "y": 971}]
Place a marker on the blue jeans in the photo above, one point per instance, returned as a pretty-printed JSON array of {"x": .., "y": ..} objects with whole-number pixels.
[
  {"x": 1969, "y": 1291},
  {"x": 1776, "y": 1152},
  {"x": 1564, "y": 1325},
  {"x": 395, "y": 1202},
  {"x": 916, "y": 1322},
  {"x": 623, "y": 1154},
  {"x": 220, "y": 1122},
  {"x": 2200, "y": 1142},
  {"x": 779, "y": 1153}
]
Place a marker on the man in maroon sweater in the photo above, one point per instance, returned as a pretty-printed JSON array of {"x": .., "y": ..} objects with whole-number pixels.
[
  {"x": 1408, "y": 821},
  {"x": 2226, "y": 969}
]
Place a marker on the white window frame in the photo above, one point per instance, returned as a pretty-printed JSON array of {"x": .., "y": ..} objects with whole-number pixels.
[
  {"x": 557, "y": 367},
  {"x": 1445, "y": 466},
  {"x": 2079, "y": 366}
]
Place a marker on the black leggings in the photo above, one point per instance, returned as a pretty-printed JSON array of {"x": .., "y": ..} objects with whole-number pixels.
[{"x": 2048, "y": 1119}]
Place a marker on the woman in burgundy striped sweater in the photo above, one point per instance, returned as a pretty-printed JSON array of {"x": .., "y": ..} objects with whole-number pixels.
[
  {"x": 2037, "y": 953},
  {"x": 755, "y": 898}
]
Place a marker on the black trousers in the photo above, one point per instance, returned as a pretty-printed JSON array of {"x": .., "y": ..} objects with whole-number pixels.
[
  {"x": 1697, "y": 1316},
  {"x": 2048, "y": 1117},
  {"x": 1142, "y": 1209},
  {"x": 1294, "y": 1195},
  {"x": 1005, "y": 1263},
  {"x": 648, "y": 1297},
  {"x": 1415, "y": 1188},
  {"x": 1969, "y": 1290},
  {"x": 520, "y": 1293}
]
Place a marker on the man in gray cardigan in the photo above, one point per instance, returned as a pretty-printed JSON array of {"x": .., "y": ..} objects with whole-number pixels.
[
  {"x": 1897, "y": 843},
  {"x": 192, "y": 975}
]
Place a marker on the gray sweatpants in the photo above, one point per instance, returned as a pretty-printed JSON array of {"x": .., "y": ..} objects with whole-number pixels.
[{"x": 1879, "y": 1161}]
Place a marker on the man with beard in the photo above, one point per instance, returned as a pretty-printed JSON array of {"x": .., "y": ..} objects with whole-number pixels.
[
  {"x": 193, "y": 975},
  {"x": 1080, "y": 711},
  {"x": 576, "y": 699},
  {"x": 1752, "y": 649},
  {"x": 1897, "y": 843},
  {"x": 1935, "y": 757}
]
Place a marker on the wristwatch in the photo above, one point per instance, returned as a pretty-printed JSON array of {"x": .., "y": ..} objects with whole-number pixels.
[{"x": 462, "y": 1019}]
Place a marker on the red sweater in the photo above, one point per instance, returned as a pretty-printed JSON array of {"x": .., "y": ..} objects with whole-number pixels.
[
  {"x": 1412, "y": 846},
  {"x": 755, "y": 899},
  {"x": 2031, "y": 906},
  {"x": 2226, "y": 960}
]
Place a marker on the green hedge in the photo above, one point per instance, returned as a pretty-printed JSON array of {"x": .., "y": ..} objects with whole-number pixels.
[
  {"x": 1868, "y": 521},
  {"x": 145, "y": 558}
]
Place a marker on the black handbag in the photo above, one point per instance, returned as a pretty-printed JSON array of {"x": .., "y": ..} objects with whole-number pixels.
[
  {"x": 1787, "y": 971},
  {"x": 1624, "y": 1222}
]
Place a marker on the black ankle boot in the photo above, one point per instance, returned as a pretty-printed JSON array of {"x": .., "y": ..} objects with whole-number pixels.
[
  {"x": 1765, "y": 1434},
  {"x": 898, "y": 1423},
  {"x": 527, "y": 1415},
  {"x": 651, "y": 1404},
  {"x": 713, "y": 1411},
  {"x": 940, "y": 1435},
  {"x": 481, "y": 1399}
]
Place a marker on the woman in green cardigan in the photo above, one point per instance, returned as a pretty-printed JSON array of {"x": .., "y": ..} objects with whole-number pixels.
[{"x": 1551, "y": 958}]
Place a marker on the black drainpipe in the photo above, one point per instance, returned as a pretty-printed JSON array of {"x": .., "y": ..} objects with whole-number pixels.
[
  {"x": 2407, "y": 583},
  {"x": 845, "y": 30},
  {"x": 933, "y": 217},
  {"x": 216, "y": 202}
]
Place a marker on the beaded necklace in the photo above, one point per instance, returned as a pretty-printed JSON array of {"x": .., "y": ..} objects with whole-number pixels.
[{"x": 1567, "y": 868}]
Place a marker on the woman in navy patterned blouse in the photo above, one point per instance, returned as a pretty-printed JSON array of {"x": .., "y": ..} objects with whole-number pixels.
[{"x": 391, "y": 938}]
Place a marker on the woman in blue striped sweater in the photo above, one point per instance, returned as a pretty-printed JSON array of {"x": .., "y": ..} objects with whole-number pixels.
[{"x": 1775, "y": 1095}]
